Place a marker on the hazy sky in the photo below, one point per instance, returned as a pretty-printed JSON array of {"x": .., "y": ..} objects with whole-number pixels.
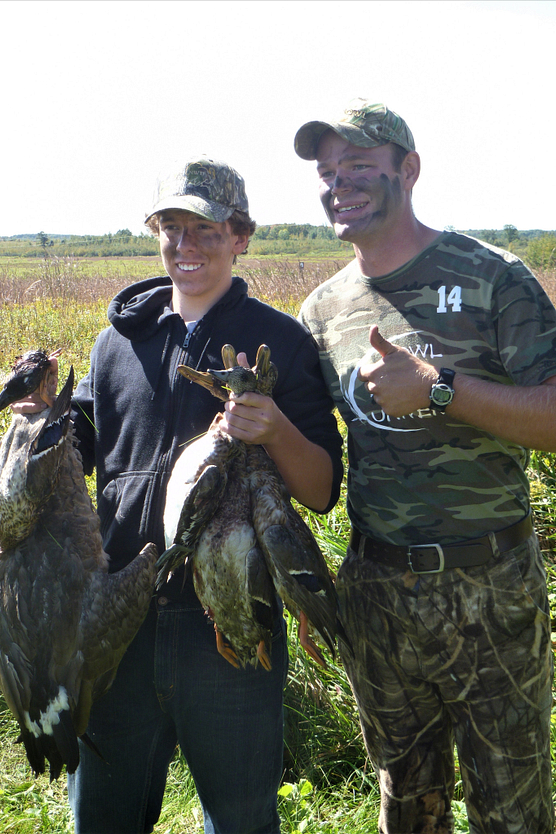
[{"x": 98, "y": 96}]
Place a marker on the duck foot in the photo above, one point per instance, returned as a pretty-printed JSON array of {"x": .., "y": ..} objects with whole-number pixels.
[
  {"x": 263, "y": 657},
  {"x": 306, "y": 641},
  {"x": 226, "y": 650}
]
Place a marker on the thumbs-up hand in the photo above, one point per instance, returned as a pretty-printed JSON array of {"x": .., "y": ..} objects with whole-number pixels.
[{"x": 399, "y": 382}]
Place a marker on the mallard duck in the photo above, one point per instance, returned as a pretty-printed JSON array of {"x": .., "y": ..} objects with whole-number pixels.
[
  {"x": 207, "y": 525},
  {"x": 230, "y": 575},
  {"x": 266, "y": 518},
  {"x": 65, "y": 622}
]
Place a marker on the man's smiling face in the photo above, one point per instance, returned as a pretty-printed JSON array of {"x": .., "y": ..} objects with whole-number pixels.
[
  {"x": 360, "y": 188},
  {"x": 198, "y": 254}
]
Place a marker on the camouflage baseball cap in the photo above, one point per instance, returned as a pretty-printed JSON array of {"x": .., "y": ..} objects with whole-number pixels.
[
  {"x": 207, "y": 187},
  {"x": 362, "y": 123}
]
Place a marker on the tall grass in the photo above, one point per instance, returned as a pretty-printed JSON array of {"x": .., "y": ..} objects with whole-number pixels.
[{"x": 328, "y": 786}]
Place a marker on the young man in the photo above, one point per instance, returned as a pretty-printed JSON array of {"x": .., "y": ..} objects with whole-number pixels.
[
  {"x": 442, "y": 593},
  {"x": 133, "y": 414}
]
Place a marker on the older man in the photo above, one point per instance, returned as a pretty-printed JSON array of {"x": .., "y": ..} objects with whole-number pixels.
[{"x": 443, "y": 592}]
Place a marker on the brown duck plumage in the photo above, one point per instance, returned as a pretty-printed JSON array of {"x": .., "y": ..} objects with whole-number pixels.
[
  {"x": 221, "y": 482},
  {"x": 65, "y": 622}
]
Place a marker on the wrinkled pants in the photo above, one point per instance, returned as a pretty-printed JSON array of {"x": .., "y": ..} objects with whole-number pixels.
[
  {"x": 464, "y": 656},
  {"x": 173, "y": 687}
]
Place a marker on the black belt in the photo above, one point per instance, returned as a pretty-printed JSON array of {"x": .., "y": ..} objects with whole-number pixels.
[{"x": 434, "y": 558}]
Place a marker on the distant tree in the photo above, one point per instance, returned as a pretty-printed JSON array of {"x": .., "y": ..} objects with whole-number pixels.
[
  {"x": 42, "y": 240},
  {"x": 511, "y": 233},
  {"x": 489, "y": 236}
]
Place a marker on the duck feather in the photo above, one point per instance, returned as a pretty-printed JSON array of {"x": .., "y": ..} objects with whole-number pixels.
[{"x": 244, "y": 538}]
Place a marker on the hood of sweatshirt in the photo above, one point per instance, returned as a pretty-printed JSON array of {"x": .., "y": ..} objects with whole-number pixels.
[{"x": 138, "y": 311}]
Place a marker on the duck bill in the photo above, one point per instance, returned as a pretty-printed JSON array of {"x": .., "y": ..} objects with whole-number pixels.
[{"x": 206, "y": 380}]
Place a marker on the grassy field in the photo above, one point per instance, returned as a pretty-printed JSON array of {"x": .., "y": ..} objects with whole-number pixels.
[{"x": 328, "y": 787}]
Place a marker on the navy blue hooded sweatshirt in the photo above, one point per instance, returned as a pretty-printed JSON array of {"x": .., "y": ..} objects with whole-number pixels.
[{"x": 133, "y": 411}]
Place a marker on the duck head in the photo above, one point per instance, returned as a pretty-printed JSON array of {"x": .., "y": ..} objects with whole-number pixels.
[{"x": 261, "y": 377}]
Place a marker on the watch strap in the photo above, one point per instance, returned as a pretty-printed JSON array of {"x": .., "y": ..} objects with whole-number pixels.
[{"x": 442, "y": 392}]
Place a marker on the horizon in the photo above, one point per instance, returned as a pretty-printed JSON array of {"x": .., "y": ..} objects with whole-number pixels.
[{"x": 145, "y": 233}]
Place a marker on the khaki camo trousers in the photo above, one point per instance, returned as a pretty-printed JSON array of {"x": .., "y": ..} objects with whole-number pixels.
[{"x": 462, "y": 656}]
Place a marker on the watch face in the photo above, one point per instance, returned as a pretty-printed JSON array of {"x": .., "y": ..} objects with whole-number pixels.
[{"x": 442, "y": 394}]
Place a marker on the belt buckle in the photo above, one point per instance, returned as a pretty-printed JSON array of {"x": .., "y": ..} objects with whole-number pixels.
[{"x": 439, "y": 553}]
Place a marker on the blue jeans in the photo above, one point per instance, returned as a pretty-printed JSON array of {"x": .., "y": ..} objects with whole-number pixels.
[{"x": 171, "y": 688}]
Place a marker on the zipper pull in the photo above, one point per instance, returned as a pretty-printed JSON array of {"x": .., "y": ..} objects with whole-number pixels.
[{"x": 189, "y": 334}]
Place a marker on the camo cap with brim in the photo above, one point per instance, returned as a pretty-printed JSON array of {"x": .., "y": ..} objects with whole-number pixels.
[
  {"x": 207, "y": 187},
  {"x": 362, "y": 123}
]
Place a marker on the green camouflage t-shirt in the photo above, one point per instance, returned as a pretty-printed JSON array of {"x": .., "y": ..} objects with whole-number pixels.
[{"x": 459, "y": 304}]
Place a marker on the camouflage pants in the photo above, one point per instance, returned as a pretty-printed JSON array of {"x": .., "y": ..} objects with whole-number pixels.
[{"x": 462, "y": 656}]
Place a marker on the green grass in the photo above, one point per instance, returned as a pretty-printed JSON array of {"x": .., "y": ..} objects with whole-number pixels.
[{"x": 328, "y": 786}]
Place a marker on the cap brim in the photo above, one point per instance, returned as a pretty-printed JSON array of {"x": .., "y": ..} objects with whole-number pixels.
[
  {"x": 207, "y": 209},
  {"x": 308, "y": 136}
]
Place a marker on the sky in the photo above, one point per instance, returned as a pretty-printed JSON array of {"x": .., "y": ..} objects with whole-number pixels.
[{"x": 99, "y": 96}]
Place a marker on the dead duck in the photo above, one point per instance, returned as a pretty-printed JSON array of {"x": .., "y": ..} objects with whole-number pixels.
[
  {"x": 65, "y": 622},
  {"x": 292, "y": 557},
  {"x": 207, "y": 525},
  {"x": 230, "y": 574}
]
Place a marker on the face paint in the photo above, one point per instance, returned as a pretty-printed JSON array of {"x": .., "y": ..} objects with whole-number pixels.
[
  {"x": 198, "y": 255},
  {"x": 359, "y": 187}
]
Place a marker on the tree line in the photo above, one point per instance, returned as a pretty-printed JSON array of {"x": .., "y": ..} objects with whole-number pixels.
[{"x": 535, "y": 246}]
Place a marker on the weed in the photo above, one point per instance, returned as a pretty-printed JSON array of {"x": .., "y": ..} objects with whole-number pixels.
[{"x": 328, "y": 784}]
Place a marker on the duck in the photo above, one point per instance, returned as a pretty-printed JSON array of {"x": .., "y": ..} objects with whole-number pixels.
[
  {"x": 230, "y": 575},
  {"x": 207, "y": 527},
  {"x": 65, "y": 621},
  {"x": 283, "y": 552}
]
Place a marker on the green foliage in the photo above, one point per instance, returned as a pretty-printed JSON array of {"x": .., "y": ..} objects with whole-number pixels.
[
  {"x": 542, "y": 476},
  {"x": 121, "y": 244},
  {"x": 541, "y": 252},
  {"x": 292, "y": 240},
  {"x": 328, "y": 787},
  {"x": 297, "y": 240},
  {"x": 524, "y": 244}
]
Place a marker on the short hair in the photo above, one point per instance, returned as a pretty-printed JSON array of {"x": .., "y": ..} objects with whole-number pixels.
[
  {"x": 242, "y": 224},
  {"x": 398, "y": 155}
]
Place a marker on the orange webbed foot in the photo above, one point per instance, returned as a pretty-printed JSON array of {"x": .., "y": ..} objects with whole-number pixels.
[
  {"x": 226, "y": 650},
  {"x": 262, "y": 654},
  {"x": 310, "y": 647}
]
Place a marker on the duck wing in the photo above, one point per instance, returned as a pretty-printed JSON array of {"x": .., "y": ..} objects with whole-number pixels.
[
  {"x": 63, "y": 632},
  {"x": 40, "y": 658},
  {"x": 295, "y": 562},
  {"x": 114, "y": 606}
]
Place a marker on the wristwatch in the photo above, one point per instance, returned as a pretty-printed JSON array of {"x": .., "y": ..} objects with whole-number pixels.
[{"x": 442, "y": 392}]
